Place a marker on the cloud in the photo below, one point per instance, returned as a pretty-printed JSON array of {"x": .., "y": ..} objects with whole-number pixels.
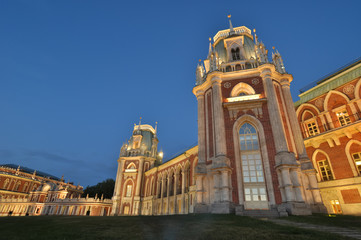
[{"x": 50, "y": 156}]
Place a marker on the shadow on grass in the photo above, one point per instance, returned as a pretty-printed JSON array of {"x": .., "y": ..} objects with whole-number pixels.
[
  {"x": 344, "y": 221},
  {"x": 202, "y": 226}
]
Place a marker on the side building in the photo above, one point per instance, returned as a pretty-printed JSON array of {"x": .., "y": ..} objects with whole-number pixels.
[
  {"x": 329, "y": 113},
  {"x": 145, "y": 186},
  {"x": 24, "y": 191}
]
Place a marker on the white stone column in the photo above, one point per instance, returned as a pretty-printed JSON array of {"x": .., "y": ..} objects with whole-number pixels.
[
  {"x": 329, "y": 120},
  {"x": 274, "y": 112},
  {"x": 286, "y": 181},
  {"x": 297, "y": 134},
  {"x": 117, "y": 193},
  {"x": 201, "y": 128},
  {"x": 312, "y": 179},
  {"x": 296, "y": 185},
  {"x": 225, "y": 188},
  {"x": 219, "y": 128},
  {"x": 140, "y": 176},
  {"x": 199, "y": 185},
  {"x": 168, "y": 190},
  {"x": 161, "y": 197},
  {"x": 184, "y": 174},
  {"x": 216, "y": 187}
]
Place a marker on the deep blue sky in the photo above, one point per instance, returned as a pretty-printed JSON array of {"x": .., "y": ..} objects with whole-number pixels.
[{"x": 76, "y": 75}]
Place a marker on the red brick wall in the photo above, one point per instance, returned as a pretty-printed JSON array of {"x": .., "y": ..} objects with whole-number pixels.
[
  {"x": 351, "y": 196},
  {"x": 267, "y": 131}
]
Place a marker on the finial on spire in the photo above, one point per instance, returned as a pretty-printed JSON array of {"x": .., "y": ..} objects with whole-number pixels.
[
  {"x": 155, "y": 130},
  {"x": 140, "y": 122},
  {"x": 231, "y": 30}
]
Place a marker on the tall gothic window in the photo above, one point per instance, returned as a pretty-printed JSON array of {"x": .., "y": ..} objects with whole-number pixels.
[
  {"x": 252, "y": 168},
  {"x": 128, "y": 193}
]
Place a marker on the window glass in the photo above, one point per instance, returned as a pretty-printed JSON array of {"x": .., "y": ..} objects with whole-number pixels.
[
  {"x": 325, "y": 170},
  {"x": 343, "y": 117}
]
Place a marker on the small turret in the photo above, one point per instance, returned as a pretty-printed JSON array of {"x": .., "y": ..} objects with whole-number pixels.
[
  {"x": 278, "y": 62},
  {"x": 199, "y": 73}
]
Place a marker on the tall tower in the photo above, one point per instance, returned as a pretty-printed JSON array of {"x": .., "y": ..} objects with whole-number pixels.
[
  {"x": 136, "y": 157},
  {"x": 251, "y": 151}
]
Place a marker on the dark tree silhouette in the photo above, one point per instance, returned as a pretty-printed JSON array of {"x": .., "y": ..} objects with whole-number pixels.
[{"x": 106, "y": 187}]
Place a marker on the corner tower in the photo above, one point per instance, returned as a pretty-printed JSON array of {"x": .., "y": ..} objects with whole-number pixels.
[
  {"x": 136, "y": 157},
  {"x": 251, "y": 151}
]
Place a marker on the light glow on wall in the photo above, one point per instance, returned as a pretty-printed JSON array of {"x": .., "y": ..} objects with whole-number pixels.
[{"x": 243, "y": 98}]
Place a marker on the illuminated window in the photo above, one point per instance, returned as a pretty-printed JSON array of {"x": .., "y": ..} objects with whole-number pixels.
[
  {"x": 312, "y": 128},
  {"x": 129, "y": 191},
  {"x": 325, "y": 170},
  {"x": 255, "y": 194},
  {"x": 343, "y": 117},
  {"x": 252, "y": 166},
  {"x": 336, "y": 207},
  {"x": 357, "y": 159}
]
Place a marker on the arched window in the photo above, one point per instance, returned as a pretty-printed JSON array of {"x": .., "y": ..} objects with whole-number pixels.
[
  {"x": 128, "y": 190},
  {"x": 25, "y": 188},
  {"x": 325, "y": 170},
  {"x": 252, "y": 168},
  {"x": 235, "y": 54},
  {"x": 17, "y": 186},
  {"x": 6, "y": 183}
]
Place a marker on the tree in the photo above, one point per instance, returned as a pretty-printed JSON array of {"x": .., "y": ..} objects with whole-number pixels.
[{"x": 106, "y": 188}]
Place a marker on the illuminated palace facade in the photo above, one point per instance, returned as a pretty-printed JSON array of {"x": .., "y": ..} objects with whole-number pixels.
[
  {"x": 329, "y": 113},
  {"x": 250, "y": 157},
  {"x": 24, "y": 192}
]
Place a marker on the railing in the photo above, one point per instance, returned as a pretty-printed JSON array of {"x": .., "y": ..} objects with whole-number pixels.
[{"x": 327, "y": 126}]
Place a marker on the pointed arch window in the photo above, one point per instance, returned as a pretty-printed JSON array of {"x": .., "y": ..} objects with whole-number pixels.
[
  {"x": 325, "y": 170},
  {"x": 128, "y": 192},
  {"x": 357, "y": 159},
  {"x": 252, "y": 168}
]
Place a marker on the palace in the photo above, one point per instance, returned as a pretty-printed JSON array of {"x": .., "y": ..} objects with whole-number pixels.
[
  {"x": 24, "y": 191},
  {"x": 250, "y": 157},
  {"x": 256, "y": 155}
]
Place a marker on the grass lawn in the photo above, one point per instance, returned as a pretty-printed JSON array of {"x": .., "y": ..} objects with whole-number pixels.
[
  {"x": 203, "y": 226},
  {"x": 345, "y": 221}
]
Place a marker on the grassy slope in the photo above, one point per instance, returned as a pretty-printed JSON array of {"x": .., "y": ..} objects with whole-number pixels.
[{"x": 166, "y": 227}]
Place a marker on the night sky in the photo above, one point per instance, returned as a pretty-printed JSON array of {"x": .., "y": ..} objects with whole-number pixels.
[{"x": 76, "y": 75}]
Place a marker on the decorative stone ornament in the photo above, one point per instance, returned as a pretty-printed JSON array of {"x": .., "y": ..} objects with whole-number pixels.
[
  {"x": 319, "y": 102},
  {"x": 227, "y": 85},
  {"x": 255, "y": 81},
  {"x": 349, "y": 89}
]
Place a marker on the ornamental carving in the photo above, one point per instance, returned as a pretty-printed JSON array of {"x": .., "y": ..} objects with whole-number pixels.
[
  {"x": 227, "y": 85},
  {"x": 319, "y": 102},
  {"x": 255, "y": 81},
  {"x": 349, "y": 89}
]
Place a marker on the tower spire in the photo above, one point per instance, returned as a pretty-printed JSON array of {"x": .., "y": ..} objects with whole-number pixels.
[
  {"x": 210, "y": 47},
  {"x": 231, "y": 30}
]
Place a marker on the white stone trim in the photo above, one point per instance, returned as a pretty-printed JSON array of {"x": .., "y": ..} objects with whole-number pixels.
[
  {"x": 242, "y": 87},
  {"x": 325, "y": 103},
  {"x": 349, "y": 157},
  {"x": 315, "y": 165}
]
